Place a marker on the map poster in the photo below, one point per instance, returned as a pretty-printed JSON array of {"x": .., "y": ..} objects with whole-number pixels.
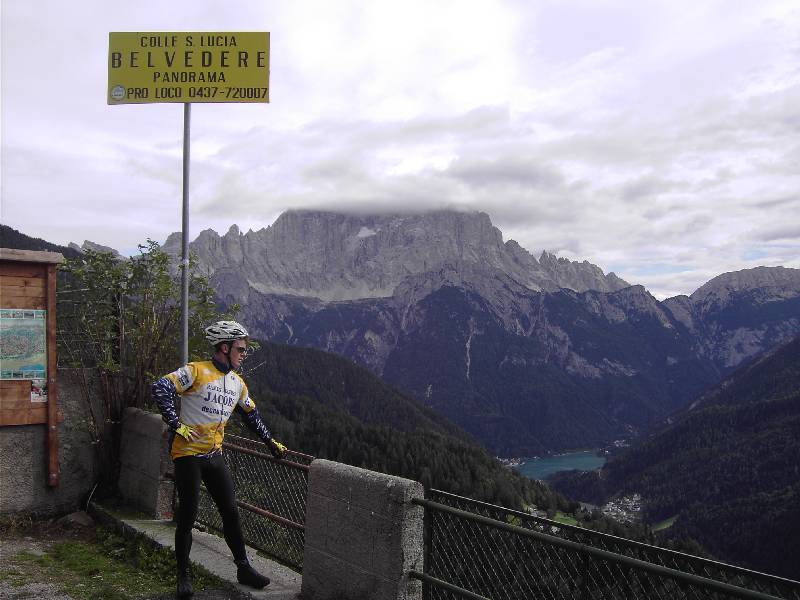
[{"x": 23, "y": 352}]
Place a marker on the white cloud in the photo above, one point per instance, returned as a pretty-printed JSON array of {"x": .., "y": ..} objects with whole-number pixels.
[{"x": 657, "y": 139}]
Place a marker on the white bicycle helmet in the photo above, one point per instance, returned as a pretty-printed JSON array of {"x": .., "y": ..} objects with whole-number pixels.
[{"x": 225, "y": 331}]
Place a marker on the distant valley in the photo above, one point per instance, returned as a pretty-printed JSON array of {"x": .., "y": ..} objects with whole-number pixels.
[{"x": 725, "y": 470}]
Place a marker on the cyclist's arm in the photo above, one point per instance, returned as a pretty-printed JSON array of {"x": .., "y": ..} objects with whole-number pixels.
[
  {"x": 165, "y": 394},
  {"x": 252, "y": 418}
]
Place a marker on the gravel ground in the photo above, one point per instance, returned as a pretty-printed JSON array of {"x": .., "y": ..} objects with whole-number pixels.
[
  {"x": 31, "y": 591},
  {"x": 37, "y": 543}
]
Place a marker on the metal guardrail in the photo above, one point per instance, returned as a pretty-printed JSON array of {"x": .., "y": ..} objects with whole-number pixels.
[
  {"x": 271, "y": 494},
  {"x": 481, "y": 551},
  {"x": 687, "y": 563},
  {"x": 471, "y": 555}
]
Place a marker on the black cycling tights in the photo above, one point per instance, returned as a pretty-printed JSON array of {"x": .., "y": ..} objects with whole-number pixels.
[{"x": 189, "y": 470}]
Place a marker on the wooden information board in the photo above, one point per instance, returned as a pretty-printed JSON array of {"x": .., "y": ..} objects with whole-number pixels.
[{"x": 28, "y": 394}]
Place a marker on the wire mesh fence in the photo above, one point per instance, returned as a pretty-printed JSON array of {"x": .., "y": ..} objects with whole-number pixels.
[
  {"x": 702, "y": 567},
  {"x": 502, "y": 554},
  {"x": 272, "y": 498},
  {"x": 80, "y": 345}
]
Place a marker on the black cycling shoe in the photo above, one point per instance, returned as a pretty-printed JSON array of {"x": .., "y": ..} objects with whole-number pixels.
[
  {"x": 184, "y": 584},
  {"x": 247, "y": 575}
]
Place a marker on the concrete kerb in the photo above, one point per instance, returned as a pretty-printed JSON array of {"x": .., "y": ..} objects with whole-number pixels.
[{"x": 208, "y": 551}]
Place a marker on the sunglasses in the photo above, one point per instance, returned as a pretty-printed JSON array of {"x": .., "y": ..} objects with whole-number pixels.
[{"x": 240, "y": 349}]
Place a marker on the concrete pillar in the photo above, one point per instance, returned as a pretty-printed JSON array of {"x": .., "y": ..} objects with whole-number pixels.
[
  {"x": 145, "y": 462},
  {"x": 362, "y": 535}
]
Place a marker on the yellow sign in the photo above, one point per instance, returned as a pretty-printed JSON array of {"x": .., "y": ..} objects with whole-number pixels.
[{"x": 148, "y": 67}]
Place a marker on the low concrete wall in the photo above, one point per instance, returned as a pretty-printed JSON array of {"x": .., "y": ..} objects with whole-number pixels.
[
  {"x": 145, "y": 463},
  {"x": 23, "y": 468},
  {"x": 362, "y": 535}
]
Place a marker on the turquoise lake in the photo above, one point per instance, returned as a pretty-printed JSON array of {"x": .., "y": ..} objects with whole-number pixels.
[{"x": 544, "y": 466}]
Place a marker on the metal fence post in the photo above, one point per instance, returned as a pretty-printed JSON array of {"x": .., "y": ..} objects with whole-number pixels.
[{"x": 427, "y": 544}]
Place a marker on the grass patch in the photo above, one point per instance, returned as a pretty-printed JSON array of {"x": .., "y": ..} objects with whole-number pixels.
[
  {"x": 110, "y": 567},
  {"x": 15, "y": 574},
  {"x": 565, "y": 519},
  {"x": 665, "y": 524}
]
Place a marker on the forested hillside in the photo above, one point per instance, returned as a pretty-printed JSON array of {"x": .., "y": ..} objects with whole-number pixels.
[
  {"x": 324, "y": 405},
  {"x": 728, "y": 468},
  {"x": 342, "y": 385},
  {"x": 11, "y": 238}
]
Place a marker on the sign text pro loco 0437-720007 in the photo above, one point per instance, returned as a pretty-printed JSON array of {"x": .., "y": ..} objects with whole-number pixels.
[{"x": 188, "y": 67}]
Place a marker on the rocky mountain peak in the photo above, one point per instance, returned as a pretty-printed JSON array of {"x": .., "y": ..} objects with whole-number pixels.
[
  {"x": 766, "y": 296},
  {"x": 441, "y": 234},
  {"x": 579, "y": 276},
  {"x": 339, "y": 256},
  {"x": 172, "y": 245},
  {"x": 780, "y": 280},
  {"x": 94, "y": 247}
]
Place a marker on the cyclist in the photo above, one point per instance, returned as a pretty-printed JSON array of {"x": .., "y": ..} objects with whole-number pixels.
[{"x": 209, "y": 392}]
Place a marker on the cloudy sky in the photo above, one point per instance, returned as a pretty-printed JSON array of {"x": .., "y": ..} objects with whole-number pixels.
[{"x": 657, "y": 139}]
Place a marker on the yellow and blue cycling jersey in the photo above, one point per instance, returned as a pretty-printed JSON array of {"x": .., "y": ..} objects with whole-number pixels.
[{"x": 209, "y": 393}]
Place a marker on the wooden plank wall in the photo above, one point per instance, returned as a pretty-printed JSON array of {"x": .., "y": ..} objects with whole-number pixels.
[
  {"x": 16, "y": 407},
  {"x": 23, "y": 285}
]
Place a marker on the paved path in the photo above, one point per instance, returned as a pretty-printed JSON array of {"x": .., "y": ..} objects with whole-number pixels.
[{"x": 211, "y": 552}]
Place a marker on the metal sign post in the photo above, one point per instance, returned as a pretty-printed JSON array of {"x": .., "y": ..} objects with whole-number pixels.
[
  {"x": 187, "y": 67},
  {"x": 187, "y": 114}
]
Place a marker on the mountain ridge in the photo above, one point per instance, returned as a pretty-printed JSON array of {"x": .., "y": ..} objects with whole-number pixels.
[
  {"x": 525, "y": 371},
  {"x": 507, "y": 346},
  {"x": 12, "y": 238},
  {"x": 334, "y": 256}
]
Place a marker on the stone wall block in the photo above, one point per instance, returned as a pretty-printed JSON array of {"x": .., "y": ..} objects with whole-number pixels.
[
  {"x": 316, "y": 512},
  {"x": 144, "y": 463},
  {"x": 361, "y": 524},
  {"x": 329, "y": 577}
]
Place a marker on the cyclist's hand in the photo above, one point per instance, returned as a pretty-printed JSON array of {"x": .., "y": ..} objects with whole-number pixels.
[
  {"x": 187, "y": 433},
  {"x": 276, "y": 448}
]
